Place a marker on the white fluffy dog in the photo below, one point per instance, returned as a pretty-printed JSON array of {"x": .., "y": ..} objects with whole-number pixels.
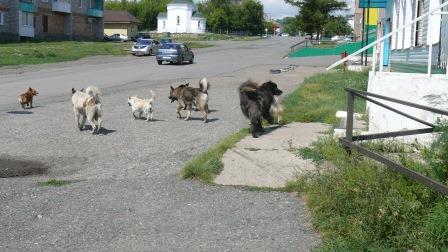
[
  {"x": 87, "y": 107},
  {"x": 142, "y": 106}
]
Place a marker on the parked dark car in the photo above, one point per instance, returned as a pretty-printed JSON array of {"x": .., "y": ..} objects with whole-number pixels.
[
  {"x": 142, "y": 35},
  {"x": 176, "y": 53},
  {"x": 166, "y": 40}
]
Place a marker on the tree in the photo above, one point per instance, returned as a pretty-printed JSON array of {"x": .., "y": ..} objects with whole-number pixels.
[
  {"x": 291, "y": 25},
  {"x": 225, "y": 16},
  {"x": 315, "y": 14},
  {"x": 145, "y": 10},
  {"x": 337, "y": 26}
]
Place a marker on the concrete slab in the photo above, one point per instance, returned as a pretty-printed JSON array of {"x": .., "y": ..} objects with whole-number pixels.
[{"x": 267, "y": 161}]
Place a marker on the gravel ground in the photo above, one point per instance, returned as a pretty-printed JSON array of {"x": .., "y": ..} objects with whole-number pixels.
[{"x": 127, "y": 194}]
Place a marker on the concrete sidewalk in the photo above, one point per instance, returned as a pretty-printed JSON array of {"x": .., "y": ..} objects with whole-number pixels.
[{"x": 267, "y": 161}]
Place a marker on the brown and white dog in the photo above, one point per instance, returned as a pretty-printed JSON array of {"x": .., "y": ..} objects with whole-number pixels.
[
  {"x": 87, "y": 107},
  {"x": 26, "y": 99},
  {"x": 187, "y": 96}
]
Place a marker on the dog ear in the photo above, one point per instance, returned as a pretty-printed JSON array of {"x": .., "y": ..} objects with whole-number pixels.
[
  {"x": 30, "y": 89},
  {"x": 73, "y": 91},
  {"x": 171, "y": 88},
  {"x": 187, "y": 84},
  {"x": 82, "y": 90}
]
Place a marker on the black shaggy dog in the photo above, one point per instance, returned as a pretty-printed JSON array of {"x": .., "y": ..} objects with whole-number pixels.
[{"x": 255, "y": 102}]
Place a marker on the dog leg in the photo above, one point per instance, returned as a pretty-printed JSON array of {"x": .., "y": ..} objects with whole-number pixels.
[
  {"x": 204, "y": 114},
  {"x": 133, "y": 113},
  {"x": 23, "y": 105},
  {"x": 31, "y": 104},
  {"x": 83, "y": 122},
  {"x": 188, "y": 112},
  {"x": 99, "y": 121},
  {"x": 179, "y": 108},
  {"x": 149, "y": 115},
  {"x": 253, "y": 129}
]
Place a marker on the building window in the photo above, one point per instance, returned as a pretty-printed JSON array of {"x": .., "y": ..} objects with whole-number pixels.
[
  {"x": 163, "y": 24},
  {"x": 45, "y": 23},
  {"x": 80, "y": 4},
  {"x": 2, "y": 18},
  {"x": 27, "y": 19},
  {"x": 178, "y": 20},
  {"x": 199, "y": 24}
]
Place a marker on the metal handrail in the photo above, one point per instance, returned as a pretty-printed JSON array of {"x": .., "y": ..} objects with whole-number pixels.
[
  {"x": 382, "y": 39},
  {"x": 349, "y": 140}
]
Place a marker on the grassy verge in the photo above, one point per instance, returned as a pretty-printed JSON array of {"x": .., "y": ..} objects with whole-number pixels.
[
  {"x": 51, "y": 52},
  {"x": 207, "y": 37},
  {"x": 320, "y": 96},
  {"x": 54, "y": 182},
  {"x": 208, "y": 164},
  {"x": 359, "y": 204}
]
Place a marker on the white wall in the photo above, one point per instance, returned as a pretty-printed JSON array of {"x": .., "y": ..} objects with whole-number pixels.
[
  {"x": 187, "y": 23},
  {"x": 404, "y": 11},
  {"x": 408, "y": 87}
]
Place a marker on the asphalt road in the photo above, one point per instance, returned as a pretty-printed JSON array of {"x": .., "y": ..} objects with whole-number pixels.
[{"x": 127, "y": 194}]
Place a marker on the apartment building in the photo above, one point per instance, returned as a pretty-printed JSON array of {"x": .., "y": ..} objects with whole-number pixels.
[{"x": 51, "y": 19}]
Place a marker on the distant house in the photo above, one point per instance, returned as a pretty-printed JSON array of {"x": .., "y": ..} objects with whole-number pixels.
[
  {"x": 51, "y": 19},
  {"x": 121, "y": 22},
  {"x": 181, "y": 17}
]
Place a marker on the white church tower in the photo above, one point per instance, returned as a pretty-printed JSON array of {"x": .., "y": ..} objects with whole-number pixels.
[{"x": 181, "y": 17}]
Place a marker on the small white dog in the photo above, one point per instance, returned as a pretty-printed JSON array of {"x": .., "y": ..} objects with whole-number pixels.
[
  {"x": 276, "y": 109},
  {"x": 142, "y": 106},
  {"x": 85, "y": 106}
]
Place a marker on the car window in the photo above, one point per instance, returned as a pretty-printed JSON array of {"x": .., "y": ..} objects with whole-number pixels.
[{"x": 170, "y": 46}]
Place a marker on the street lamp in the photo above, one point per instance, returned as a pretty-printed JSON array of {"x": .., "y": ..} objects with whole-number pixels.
[{"x": 266, "y": 30}]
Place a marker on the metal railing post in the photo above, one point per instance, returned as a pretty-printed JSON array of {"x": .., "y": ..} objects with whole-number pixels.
[
  {"x": 374, "y": 60},
  {"x": 349, "y": 124},
  {"x": 381, "y": 57},
  {"x": 430, "y": 46}
]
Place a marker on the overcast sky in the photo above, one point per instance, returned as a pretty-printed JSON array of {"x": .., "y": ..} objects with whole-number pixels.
[{"x": 277, "y": 9}]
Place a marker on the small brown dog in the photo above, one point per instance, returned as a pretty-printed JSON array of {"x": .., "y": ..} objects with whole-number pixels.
[{"x": 26, "y": 99}]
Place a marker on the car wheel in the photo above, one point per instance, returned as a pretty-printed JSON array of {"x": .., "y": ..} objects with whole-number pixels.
[
  {"x": 191, "y": 61},
  {"x": 150, "y": 52},
  {"x": 181, "y": 61},
  {"x": 159, "y": 62}
]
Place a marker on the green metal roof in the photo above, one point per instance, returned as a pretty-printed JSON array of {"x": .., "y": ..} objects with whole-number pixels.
[{"x": 181, "y": 2}]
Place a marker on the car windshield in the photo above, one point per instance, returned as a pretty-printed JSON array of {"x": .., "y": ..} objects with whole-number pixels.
[
  {"x": 170, "y": 46},
  {"x": 166, "y": 40},
  {"x": 144, "y": 42}
]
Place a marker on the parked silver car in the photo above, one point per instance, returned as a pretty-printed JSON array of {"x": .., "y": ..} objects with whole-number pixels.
[
  {"x": 145, "y": 47},
  {"x": 175, "y": 53}
]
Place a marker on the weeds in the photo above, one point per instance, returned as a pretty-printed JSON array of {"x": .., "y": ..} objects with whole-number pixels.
[
  {"x": 207, "y": 165},
  {"x": 319, "y": 97},
  {"x": 54, "y": 182}
]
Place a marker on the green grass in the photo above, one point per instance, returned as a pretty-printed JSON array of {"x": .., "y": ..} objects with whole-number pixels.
[
  {"x": 206, "y": 37},
  {"x": 359, "y": 204},
  {"x": 319, "y": 97},
  {"x": 52, "y": 52},
  {"x": 208, "y": 164},
  {"x": 54, "y": 182}
]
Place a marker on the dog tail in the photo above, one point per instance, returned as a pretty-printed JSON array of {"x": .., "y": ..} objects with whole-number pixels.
[
  {"x": 204, "y": 85},
  {"x": 153, "y": 95},
  {"x": 94, "y": 92}
]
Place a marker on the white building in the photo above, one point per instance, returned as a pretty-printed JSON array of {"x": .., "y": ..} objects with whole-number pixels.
[{"x": 181, "y": 17}]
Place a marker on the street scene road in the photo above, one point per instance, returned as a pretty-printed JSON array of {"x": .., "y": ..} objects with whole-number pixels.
[{"x": 126, "y": 192}]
